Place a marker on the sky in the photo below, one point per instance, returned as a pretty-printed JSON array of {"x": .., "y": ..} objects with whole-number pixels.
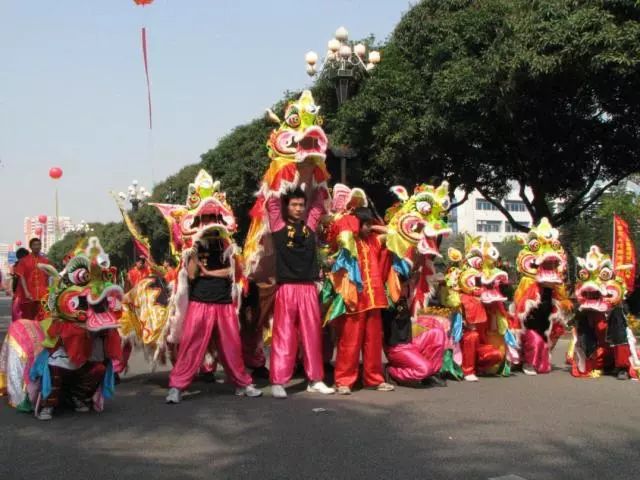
[{"x": 73, "y": 92}]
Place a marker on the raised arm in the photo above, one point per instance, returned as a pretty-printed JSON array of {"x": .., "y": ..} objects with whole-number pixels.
[
  {"x": 274, "y": 213},
  {"x": 316, "y": 209}
]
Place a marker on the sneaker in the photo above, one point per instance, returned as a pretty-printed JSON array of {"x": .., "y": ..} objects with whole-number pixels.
[
  {"x": 278, "y": 391},
  {"x": 529, "y": 370},
  {"x": 385, "y": 387},
  {"x": 320, "y": 387},
  {"x": 622, "y": 374},
  {"x": 79, "y": 406},
  {"x": 174, "y": 396},
  {"x": 471, "y": 378},
  {"x": 342, "y": 390},
  {"x": 45, "y": 414},
  {"x": 248, "y": 391}
]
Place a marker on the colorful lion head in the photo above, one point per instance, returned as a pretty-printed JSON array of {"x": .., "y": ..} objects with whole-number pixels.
[
  {"x": 85, "y": 292},
  {"x": 300, "y": 135},
  {"x": 475, "y": 272},
  {"x": 416, "y": 222},
  {"x": 543, "y": 258},
  {"x": 206, "y": 214},
  {"x": 598, "y": 286}
]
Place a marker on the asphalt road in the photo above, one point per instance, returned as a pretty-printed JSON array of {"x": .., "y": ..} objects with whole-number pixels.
[{"x": 550, "y": 426}]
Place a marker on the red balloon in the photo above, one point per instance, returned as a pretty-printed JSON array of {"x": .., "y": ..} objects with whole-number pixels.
[
  {"x": 18, "y": 242},
  {"x": 38, "y": 231},
  {"x": 42, "y": 218},
  {"x": 143, "y": 2},
  {"x": 55, "y": 172}
]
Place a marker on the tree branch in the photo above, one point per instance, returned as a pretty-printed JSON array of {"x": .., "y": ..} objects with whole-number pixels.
[
  {"x": 457, "y": 204},
  {"x": 527, "y": 203},
  {"x": 566, "y": 214},
  {"x": 502, "y": 209},
  {"x": 579, "y": 197}
]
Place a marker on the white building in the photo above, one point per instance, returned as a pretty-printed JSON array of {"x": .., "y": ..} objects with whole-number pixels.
[
  {"x": 4, "y": 260},
  {"x": 47, "y": 231},
  {"x": 478, "y": 216}
]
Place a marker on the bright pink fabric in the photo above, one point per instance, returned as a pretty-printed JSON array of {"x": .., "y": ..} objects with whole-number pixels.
[
  {"x": 415, "y": 361},
  {"x": 16, "y": 309},
  {"x": 535, "y": 351},
  {"x": 202, "y": 321},
  {"x": 296, "y": 312}
]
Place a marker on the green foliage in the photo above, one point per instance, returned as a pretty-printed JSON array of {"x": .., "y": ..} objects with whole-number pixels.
[{"x": 542, "y": 92}]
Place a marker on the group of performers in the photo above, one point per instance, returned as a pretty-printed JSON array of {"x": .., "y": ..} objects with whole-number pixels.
[{"x": 318, "y": 265}]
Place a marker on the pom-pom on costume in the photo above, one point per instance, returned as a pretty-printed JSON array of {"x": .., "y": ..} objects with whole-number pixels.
[
  {"x": 603, "y": 341},
  {"x": 540, "y": 302},
  {"x": 202, "y": 232},
  {"x": 414, "y": 338},
  {"x": 481, "y": 326},
  {"x": 70, "y": 353}
]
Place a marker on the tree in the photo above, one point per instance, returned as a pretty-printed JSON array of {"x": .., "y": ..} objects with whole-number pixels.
[{"x": 542, "y": 92}]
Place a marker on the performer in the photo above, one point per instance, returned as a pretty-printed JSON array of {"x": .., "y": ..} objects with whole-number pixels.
[
  {"x": 33, "y": 280},
  {"x": 541, "y": 303},
  {"x": 79, "y": 336},
  {"x": 16, "y": 287},
  {"x": 481, "y": 323},
  {"x": 139, "y": 271},
  {"x": 603, "y": 340},
  {"x": 252, "y": 322},
  {"x": 210, "y": 312},
  {"x": 297, "y": 308},
  {"x": 360, "y": 329}
]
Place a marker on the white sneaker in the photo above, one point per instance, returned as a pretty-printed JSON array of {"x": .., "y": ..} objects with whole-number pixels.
[
  {"x": 174, "y": 396},
  {"x": 46, "y": 413},
  {"x": 471, "y": 378},
  {"x": 529, "y": 370},
  {"x": 278, "y": 391},
  {"x": 248, "y": 391},
  {"x": 79, "y": 406},
  {"x": 320, "y": 387}
]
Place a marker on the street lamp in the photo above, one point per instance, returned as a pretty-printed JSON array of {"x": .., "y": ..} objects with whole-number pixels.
[
  {"x": 344, "y": 65},
  {"x": 83, "y": 228},
  {"x": 136, "y": 194},
  {"x": 171, "y": 196}
]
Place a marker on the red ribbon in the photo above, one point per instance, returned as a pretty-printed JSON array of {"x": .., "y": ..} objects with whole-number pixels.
[{"x": 146, "y": 72}]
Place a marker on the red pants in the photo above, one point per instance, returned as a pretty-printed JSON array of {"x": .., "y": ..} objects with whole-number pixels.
[
  {"x": 296, "y": 312},
  {"x": 359, "y": 332},
  {"x": 605, "y": 356},
  {"x": 477, "y": 354},
  {"x": 81, "y": 383},
  {"x": 204, "y": 320}
]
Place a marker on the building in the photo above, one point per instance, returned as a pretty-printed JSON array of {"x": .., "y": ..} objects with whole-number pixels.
[
  {"x": 47, "y": 231},
  {"x": 5, "y": 248},
  {"x": 478, "y": 216}
]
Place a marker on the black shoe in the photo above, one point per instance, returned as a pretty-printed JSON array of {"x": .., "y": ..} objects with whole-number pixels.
[
  {"x": 622, "y": 374},
  {"x": 435, "y": 381},
  {"x": 260, "y": 373}
]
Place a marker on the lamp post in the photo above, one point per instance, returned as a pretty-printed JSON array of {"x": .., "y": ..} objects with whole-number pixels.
[
  {"x": 83, "y": 228},
  {"x": 136, "y": 195},
  {"x": 171, "y": 196},
  {"x": 344, "y": 65}
]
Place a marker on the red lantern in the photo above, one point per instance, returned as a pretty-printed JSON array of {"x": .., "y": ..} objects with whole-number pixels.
[
  {"x": 143, "y": 2},
  {"x": 18, "y": 243},
  {"x": 42, "y": 218},
  {"x": 55, "y": 173},
  {"x": 38, "y": 231}
]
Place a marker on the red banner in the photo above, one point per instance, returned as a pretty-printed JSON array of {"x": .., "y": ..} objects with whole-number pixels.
[{"x": 624, "y": 252}]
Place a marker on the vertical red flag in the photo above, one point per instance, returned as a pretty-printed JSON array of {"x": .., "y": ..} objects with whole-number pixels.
[
  {"x": 624, "y": 252},
  {"x": 146, "y": 72}
]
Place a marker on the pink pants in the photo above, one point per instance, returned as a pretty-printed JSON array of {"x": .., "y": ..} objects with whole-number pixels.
[
  {"x": 415, "y": 361},
  {"x": 16, "y": 311},
  {"x": 296, "y": 312},
  {"x": 535, "y": 351},
  {"x": 202, "y": 321}
]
